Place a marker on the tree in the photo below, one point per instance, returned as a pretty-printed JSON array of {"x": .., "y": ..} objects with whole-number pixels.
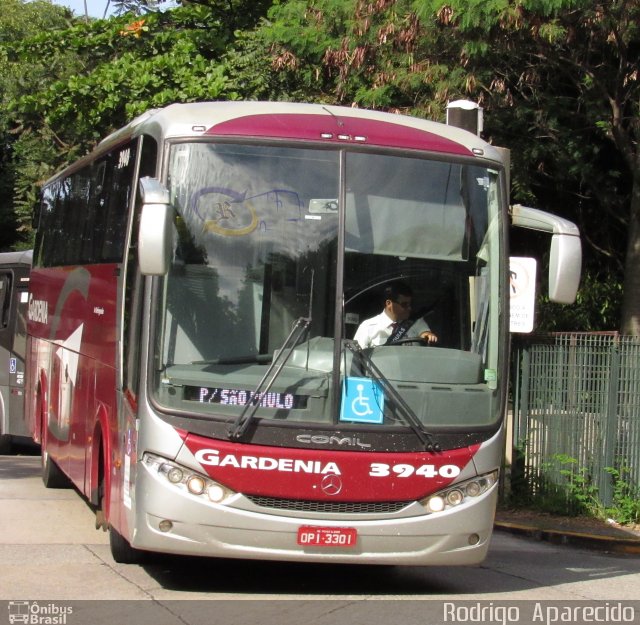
[
  {"x": 114, "y": 70},
  {"x": 19, "y": 21},
  {"x": 374, "y": 54},
  {"x": 578, "y": 63}
]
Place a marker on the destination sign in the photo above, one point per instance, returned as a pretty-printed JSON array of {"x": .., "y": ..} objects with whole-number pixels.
[{"x": 240, "y": 397}]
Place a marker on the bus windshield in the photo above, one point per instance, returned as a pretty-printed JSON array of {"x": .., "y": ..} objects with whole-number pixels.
[{"x": 269, "y": 235}]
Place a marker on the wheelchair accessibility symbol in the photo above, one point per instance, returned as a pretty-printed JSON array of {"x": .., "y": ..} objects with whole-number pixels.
[{"x": 362, "y": 401}]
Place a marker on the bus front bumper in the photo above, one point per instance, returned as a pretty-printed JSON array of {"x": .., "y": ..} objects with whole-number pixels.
[{"x": 175, "y": 522}]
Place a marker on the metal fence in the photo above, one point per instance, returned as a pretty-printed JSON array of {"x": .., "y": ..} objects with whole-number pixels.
[{"x": 576, "y": 413}]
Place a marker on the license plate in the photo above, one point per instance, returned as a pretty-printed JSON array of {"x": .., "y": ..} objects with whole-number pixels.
[{"x": 309, "y": 535}]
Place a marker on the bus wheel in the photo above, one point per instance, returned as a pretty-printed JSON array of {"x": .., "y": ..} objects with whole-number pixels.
[
  {"x": 52, "y": 475},
  {"x": 121, "y": 551}
]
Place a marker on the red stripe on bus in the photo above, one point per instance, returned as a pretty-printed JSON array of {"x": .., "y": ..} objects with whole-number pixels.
[{"x": 353, "y": 131}]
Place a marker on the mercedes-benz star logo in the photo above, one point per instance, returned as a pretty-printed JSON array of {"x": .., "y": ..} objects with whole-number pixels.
[{"x": 331, "y": 484}]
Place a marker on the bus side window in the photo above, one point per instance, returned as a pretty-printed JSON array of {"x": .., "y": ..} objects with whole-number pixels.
[
  {"x": 76, "y": 215},
  {"x": 122, "y": 164},
  {"x": 5, "y": 299}
]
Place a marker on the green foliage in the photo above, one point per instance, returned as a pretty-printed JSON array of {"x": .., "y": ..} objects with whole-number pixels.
[
  {"x": 71, "y": 82},
  {"x": 251, "y": 76},
  {"x": 597, "y": 306},
  {"x": 133, "y": 66},
  {"x": 582, "y": 493},
  {"x": 361, "y": 53},
  {"x": 20, "y": 21},
  {"x": 563, "y": 486},
  {"x": 626, "y": 498},
  {"x": 560, "y": 84},
  {"x": 36, "y": 153}
]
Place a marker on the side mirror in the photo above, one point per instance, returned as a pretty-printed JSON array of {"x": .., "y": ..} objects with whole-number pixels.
[
  {"x": 155, "y": 235},
  {"x": 565, "y": 263}
]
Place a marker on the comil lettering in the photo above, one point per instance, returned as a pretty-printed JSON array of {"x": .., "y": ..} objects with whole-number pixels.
[
  {"x": 38, "y": 310},
  {"x": 212, "y": 458},
  {"x": 320, "y": 439}
]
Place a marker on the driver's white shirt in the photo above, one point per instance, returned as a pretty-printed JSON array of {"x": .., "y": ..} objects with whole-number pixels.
[
  {"x": 374, "y": 331},
  {"x": 377, "y": 330}
]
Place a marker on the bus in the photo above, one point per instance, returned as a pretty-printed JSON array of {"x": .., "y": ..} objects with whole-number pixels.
[
  {"x": 197, "y": 284},
  {"x": 14, "y": 287}
]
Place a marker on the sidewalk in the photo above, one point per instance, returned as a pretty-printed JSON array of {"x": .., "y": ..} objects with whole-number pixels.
[{"x": 577, "y": 531}]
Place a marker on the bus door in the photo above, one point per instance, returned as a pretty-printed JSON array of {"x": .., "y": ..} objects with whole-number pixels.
[
  {"x": 6, "y": 282},
  {"x": 13, "y": 306}
]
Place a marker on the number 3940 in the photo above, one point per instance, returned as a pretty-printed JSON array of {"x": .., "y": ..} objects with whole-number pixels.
[{"x": 379, "y": 469}]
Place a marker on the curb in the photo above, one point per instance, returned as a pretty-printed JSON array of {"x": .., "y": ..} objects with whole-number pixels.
[{"x": 627, "y": 546}]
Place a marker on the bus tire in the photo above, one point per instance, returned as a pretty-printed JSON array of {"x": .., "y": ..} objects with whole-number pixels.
[
  {"x": 122, "y": 551},
  {"x": 52, "y": 475},
  {"x": 5, "y": 444}
]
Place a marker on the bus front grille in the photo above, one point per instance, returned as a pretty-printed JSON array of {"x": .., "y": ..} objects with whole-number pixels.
[{"x": 337, "y": 507}]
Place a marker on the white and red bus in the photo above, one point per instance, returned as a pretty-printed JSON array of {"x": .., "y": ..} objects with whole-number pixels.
[
  {"x": 197, "y": 283},
  {"x": 14, "y": 288}
]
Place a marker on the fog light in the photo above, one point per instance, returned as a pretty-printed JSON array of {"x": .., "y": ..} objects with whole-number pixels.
[
  {"x": 196, "y": 485},
  {"x": 175, "y": 475},
  {"x": 436, "y": 504},
  {"x": 165, "y": 526},
  {"x": 474, "y": 539}
]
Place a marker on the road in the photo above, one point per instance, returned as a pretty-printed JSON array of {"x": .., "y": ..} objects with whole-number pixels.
[{"x": 50, "y": 552}]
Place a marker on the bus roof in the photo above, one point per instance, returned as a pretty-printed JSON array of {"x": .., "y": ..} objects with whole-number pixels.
[
  {"x": 16, "y": 258},
  {"x": 319, "y": 123},
  {"x": 294, "y": 121}
]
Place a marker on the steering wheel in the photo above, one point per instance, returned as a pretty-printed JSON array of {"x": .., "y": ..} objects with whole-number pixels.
[{"x": 413, "y": 339}]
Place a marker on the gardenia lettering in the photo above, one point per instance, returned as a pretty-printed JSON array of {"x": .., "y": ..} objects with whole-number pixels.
[
  {"x": 38, "y": 310},
  {"x": 212, "y": 458}
]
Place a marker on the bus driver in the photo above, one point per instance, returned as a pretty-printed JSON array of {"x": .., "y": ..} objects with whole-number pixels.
[{"x": 393, "y": 323}]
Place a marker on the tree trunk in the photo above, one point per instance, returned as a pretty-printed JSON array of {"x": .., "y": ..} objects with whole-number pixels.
[{"x": 630, "y": 322}]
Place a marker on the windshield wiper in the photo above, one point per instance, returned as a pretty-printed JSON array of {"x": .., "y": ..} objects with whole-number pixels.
[
  {"x": 403, "y": 409},
  {"x": 238, "y": 428}
]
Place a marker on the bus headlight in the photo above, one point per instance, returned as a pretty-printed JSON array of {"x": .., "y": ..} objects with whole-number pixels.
[
  {"x": 459, "y": 493},
  {"x": 175, "y": 475},
  {"x": 196, "y": 485},
  {"x": 188, "y": 480}
]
